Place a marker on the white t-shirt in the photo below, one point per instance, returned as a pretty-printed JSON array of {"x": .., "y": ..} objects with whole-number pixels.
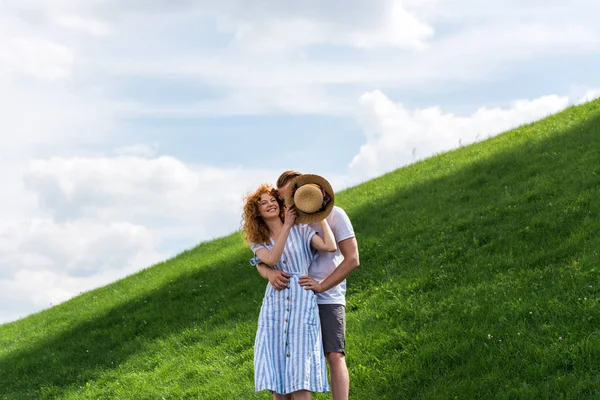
[{"x": 325, "y": 262}]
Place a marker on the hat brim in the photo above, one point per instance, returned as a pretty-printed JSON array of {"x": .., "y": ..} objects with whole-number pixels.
[{"x": 310, "y": 218}]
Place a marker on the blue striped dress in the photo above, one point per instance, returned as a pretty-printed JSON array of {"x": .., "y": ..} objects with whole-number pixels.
[{"x": 288, "y": 350}]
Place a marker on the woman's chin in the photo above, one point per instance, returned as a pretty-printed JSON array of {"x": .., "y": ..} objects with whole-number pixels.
[{"x": 267, "y": 216}]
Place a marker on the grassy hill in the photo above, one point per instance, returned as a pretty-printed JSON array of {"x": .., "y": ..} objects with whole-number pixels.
[{"x": 479, "y": 278}]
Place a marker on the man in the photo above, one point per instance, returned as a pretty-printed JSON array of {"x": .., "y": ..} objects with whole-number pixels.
[{"x": 328, "y": 273}]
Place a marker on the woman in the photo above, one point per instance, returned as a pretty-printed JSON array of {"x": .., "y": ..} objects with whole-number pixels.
[{"x": 288, "y": 352}]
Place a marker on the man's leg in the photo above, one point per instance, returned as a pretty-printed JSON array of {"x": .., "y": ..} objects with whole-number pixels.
[
  {"x": 333, "y": 328},
  {"x": 340, "y": 381}
]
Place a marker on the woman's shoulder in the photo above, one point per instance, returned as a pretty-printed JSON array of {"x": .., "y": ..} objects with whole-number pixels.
[
  {"x": 304, "y": 231},
  {"x": 301, "y": 227},
  {"x": 259, "y": 245}
]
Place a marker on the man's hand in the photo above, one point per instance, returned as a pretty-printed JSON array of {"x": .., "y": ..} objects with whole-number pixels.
[
  {"x": 279, "y": 279},
  {"x": 310, "y": 283}
]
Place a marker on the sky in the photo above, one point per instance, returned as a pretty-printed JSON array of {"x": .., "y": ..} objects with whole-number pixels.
[{"x": 131, "y": 131}]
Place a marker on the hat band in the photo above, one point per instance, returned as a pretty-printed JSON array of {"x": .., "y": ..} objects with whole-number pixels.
[{"x": 326, "y": 196}]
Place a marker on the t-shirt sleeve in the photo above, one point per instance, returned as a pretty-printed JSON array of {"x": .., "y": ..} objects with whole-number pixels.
[
  {"x": 254, "y": 261},
  {"x": 342, "y": 227},
  {"x": 308, "y": 233}
]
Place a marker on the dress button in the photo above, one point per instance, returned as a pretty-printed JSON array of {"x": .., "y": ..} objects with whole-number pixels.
[
  {"x": 286, "y": 320},
  {"x": 288, "y": 299},
  {"x": 288, "y": 354},
  {"x": 284, "y": 331},
  {"x": 287, "y": 309},
  {"x": 285, "y": 262}
]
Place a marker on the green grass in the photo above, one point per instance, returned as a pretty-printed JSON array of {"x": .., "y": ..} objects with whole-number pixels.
[{"x": 479, "y": 279}]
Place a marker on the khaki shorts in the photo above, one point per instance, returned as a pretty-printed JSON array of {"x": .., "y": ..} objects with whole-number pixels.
[{"x": 333, "y": 327}]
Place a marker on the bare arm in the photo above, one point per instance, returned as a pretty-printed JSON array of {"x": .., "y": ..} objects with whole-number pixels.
[
  {"x": 325, "y": 243},
  {"x": 349, "y": 249},
  {"x": 271, "y": 257}
]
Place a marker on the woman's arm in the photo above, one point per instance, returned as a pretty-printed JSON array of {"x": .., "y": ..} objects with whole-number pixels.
[
  {"x": 271, "y": 257},
  {"x": 327, "y": 242}
]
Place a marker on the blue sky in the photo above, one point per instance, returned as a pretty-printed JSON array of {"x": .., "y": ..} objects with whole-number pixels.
[{"x": 131, "y": 131}]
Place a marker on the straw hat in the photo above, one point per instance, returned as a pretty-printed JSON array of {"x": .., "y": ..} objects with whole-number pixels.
[{"x": 313, "y": 197}]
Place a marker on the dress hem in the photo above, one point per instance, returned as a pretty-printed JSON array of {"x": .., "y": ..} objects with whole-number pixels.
[{"x": 312, "y": 390}]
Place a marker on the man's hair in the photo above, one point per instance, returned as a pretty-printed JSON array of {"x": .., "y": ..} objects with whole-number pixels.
[{"x": 286, "y": 177}]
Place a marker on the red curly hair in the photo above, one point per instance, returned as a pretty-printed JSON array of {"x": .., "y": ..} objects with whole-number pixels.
[{"x": 254, "y": 227}]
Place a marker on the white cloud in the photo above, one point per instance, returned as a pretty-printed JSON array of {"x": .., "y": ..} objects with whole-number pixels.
[
  {"x": 41, "y": 102},
  {"x": 81, "y": 24},
  {"x": 297, "y": 69},
  {"x": 44, "y": 110},
  {"x": 590, "y": 95},
  {"x": 36, "y": 117},
  {"x": 284, "y": 26},
  {"x": 143, "y": 150},
  {"x": 37, "y": 56},
  {"x": 44, "y": 262},
  {"x": 273, "y": 56},
  {"x": 400, "y": 28},
  {"x": 289, "y": 99},
  {"x": 127, "y": 188},
  {"x": 136, "y": 188},
  {"x": 385, "y": 24},
  {"x": 82, "y": 247},
  {"x": 396, "y": 136}
]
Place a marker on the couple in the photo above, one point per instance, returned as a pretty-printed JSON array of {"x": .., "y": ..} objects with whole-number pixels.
[{"x": 302, "y": 319}]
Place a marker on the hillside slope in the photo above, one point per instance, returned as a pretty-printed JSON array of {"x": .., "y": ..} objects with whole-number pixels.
[{"x": 479, "y": 278}]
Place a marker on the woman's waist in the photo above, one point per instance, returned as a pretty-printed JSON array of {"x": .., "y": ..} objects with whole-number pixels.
[
  {"x": 296, "y": 274},
  {"x": 293, "y": 285}
]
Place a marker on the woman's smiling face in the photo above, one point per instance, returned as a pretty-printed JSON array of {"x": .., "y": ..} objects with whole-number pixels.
[{"x": 268, "y": 206}]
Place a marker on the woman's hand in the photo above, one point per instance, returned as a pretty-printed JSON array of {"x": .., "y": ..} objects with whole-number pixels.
[{"x": 290, "y": 216}]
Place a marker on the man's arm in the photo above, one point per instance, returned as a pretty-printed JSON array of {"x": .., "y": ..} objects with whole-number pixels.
[
  {"x": 349, "y": 249},
  {"x": 278, "y": 279}
]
